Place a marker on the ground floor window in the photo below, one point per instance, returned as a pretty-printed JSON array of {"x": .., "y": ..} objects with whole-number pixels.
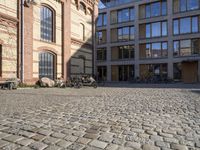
[
  {"x": 177, "y": 69},
  {"x": 123, "y": 73},
  {"x": 101, "y": 73},
  {"x": 46, "y": 65},
  {"x": 149, "y": 71}
]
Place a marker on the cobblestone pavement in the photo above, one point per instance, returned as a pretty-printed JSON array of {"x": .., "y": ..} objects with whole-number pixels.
[{"x": 103, "y": 118}]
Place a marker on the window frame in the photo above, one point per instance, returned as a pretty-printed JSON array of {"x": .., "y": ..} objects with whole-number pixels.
[
  {"x": 53, "y": 40},
  {"x": 129, "y": 16},
  {"x": 129, "y": 35}
]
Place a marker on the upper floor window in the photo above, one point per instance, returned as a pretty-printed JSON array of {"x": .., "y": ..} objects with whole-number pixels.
[
  {"x": 186, "y": 25},
  {"x": 185, "y": 5},
  {"x": 125, "y": 15},
  {"x": 122, "y": 52},
  {"x": 187, "y": 47},
  {"x": 156, "y": 29},
  {"x": 154, "y": 50},
  {"x": 102, "y": 20},
  {"x": 126, "y": 33},
  {"x": 101, "y": 37},
  {"x": 153, "y": 9},
  {"x": 82, "y": 7},
  {"x": 101, "y": 54},
  {"x": 47, "y": 24}
]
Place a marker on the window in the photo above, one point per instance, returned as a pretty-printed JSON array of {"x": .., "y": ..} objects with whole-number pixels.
[
  {"x": 101, "y": 73},
  {"x": 153, "y": 9},
  {"x": 102, "y": 20},
  {"x": 123, "y": 52},
  {"x": 154, "y": 50},
  {"x": 126, "y": 33},
  {"x": 177, "y": 71},
  {"x": 82, "y": 7},
  {"x": 125, "y": 15},
  {"x": 187, "y": 47},
  {"x": 82, "y": 32},
  {"x": 156, "y": 29},
  {"x": 186, "y": 25},
  {"x": 101, "y": 37},
  {"x": 185, "y": 5},
  {"x": 46, "y": 65},
  {"x": 47, "y": 24},
  {"x": 101, "y": 54}
]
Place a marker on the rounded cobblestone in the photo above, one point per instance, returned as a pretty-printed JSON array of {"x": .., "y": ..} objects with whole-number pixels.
[{"x": 104, "y": 118}]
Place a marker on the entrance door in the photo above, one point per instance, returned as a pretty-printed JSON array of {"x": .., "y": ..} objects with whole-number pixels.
[
  {"x": 46, "y": 65},
  {"x": 190, "y": 72}
]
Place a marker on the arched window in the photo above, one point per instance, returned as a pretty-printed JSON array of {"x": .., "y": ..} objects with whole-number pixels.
[
  {"x": 82, "y": 7},
  {"x": 82, "y": 32},
  {"x": 47, "y": 24},
  {"x": 46, "y": 65}
]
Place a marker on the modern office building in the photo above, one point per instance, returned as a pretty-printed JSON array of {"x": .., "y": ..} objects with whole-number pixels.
[
  {"x": 138, "y": 38},
  {"x": 46, "y": 38}
]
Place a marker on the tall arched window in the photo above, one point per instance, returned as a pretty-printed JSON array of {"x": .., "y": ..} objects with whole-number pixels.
[
  {"x": 47, "y": 24},
  {"x": 82, "y": 32},
  {"x": 46, "y": 65}
]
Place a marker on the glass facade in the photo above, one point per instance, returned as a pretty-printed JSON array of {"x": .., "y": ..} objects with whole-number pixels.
[
  {"x": 125, "y": 15},
  {"x": 101, "y": 54},
  {"x": 153, "y": 9},
  {"x": 154, "y": 50},
  {"x": 46, "y": 23},
  {"x": 185, "y": 5},
  {"x": 123, "y": 52},
  {"x": 156, "y": 29},
  {"x": 187, "y": 47},
  {"x": 186, "y": 25},
  {"x": 101, "y": 73},
  {"x": 126, "y": 33},
  {"x": 102, "y": 20}
]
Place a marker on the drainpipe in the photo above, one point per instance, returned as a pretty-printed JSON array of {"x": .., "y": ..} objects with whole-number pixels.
[{"x": 22, "y": 41}]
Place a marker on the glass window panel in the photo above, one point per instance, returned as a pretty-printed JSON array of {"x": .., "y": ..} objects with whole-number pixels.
[
  {"x": 164, "y": 28},
  {"x": 156, "y": 50},
  {"x": 147, "y": 11},
  {"x": 125, "y": 15},
  {"x": 148, "y": 50},
  {"x": 185, "y": 25},
  {"x": 195, "y": 24},
  {"x": 148, "y": 32},
  {"x": 105, "y": 19},
  {"x": 132, "y": 14},
  {"x": 164, "y": 49},
  {"x": 176, "y": 48},
  {"x": 132, "y": 32},
  {"x": 176, "y": 27},
  {"x": 46, "y": 24},
  {"x": 192, "y": 4},
  {"x": 183, "y": 5},
  {"x": 196, "y": 46},
  {"x": 185, "y": 47},
  {"x": 120, "y": 33},
  {"x": 155, "y": 9},
  {"x": 119, "y": 15},
  {"x": 126, "y": 33},
  {"x": 99, "y": 22},
  {"x": 156, "y": 29},
  {"x": 164, "y": 7}
]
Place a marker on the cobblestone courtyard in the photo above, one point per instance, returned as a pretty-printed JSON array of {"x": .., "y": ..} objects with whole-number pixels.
[{"x": 103, "y": 118}]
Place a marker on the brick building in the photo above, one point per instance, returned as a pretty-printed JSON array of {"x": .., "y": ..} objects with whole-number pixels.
[{"x": 58, "y": 38}]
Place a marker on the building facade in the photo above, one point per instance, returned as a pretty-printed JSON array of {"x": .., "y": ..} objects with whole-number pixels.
[
  {"x": 58, "y": 38},
  {"x": 140, "y": 38}
]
